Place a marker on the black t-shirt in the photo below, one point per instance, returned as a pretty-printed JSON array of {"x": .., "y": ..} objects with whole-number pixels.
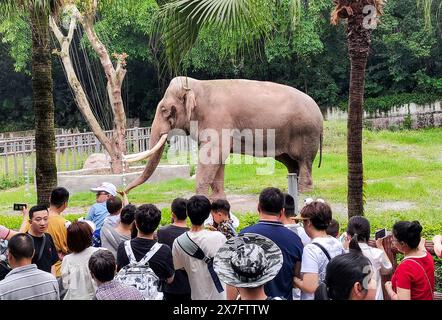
[
  {"x": 161, "y": 262},
  {"x": 49, "y": 256},
  {"x": 180, "y": 284}
]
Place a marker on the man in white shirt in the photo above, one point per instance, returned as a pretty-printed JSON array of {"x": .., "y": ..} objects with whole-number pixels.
[{"x": 202, "y": 283}]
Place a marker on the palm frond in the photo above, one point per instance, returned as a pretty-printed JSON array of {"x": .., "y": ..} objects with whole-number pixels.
[{"x": 180, "y": 22}]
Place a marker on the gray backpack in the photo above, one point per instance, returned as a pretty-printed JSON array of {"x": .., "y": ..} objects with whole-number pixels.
[{"x": 140, "y": 275}]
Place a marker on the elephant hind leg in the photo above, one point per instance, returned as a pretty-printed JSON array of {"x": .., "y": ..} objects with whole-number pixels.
[{"x": 305, "y": 182}]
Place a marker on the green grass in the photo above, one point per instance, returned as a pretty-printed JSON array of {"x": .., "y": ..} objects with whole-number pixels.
[{"x": 398, "y": 166}]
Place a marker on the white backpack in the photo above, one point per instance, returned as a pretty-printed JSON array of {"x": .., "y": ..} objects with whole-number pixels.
[{"x": 140, "y": 275}]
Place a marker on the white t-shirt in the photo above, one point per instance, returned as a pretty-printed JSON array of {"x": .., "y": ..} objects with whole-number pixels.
[
  {"x": 235, "y": 220},
  {"x": 76, "y": 276},
  {"x": 201, "y": 283},
  {"x": 380, "y": 261},
  {"x": 296, "y": 228},
  {"x": 315, "y": 261}
]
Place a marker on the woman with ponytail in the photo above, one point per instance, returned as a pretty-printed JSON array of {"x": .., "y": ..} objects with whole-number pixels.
[
  {"x": 414, "y": 277},
  {"x": 358, "y": 234},
  {"x": 349, "y": 276}
]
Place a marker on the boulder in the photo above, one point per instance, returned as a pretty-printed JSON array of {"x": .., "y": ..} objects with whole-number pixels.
[{"x": 97, "y": 160}]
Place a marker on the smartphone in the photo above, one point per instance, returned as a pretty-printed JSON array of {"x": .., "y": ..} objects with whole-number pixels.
[
  {"x": 19, "y": 206},
  {"x": 380, "y": 234}
]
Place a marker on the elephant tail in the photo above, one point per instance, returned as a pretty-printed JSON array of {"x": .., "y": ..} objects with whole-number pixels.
[{"x": 320, "y": 150}]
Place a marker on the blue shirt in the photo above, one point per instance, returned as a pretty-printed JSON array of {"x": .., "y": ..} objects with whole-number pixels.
[
  {"x": 291, "y": 248},
  {"x": 97, "y": 213}
]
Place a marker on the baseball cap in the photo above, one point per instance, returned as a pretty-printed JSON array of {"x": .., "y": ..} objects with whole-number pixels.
[{"x": 106, "y": 187}]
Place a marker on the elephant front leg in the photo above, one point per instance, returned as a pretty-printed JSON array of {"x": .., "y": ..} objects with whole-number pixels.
[
  {"x": 205, "y": 177},
  {"x": 218, "y": 185}
]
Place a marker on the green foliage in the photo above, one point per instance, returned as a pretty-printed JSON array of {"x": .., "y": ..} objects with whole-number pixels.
[{"x": 15, "y": 31}]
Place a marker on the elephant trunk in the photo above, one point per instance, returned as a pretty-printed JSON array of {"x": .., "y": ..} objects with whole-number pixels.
[{"x": 156, "y": 147}]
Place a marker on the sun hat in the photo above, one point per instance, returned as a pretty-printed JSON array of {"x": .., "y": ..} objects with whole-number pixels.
[
  {"x": 106, "y": 187},
  {"x": 248, "y": 261}
]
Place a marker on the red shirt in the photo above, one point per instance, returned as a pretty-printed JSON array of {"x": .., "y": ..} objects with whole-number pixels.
[{"x": 409, "y": 275}]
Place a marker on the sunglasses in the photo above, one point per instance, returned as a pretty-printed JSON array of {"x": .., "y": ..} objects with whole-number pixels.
[
  {"x": 101, "y": 194},
  {"x": 311, "y": 200}
]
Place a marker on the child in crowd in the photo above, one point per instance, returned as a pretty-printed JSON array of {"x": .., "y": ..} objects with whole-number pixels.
[
  {"x": 221, "y": 218},
  {"x": 346, "y": 279},
  {"x": 356, "y": 239},
  {"x": 333, "y": 229},
  {"x": 288, "y": 219}
]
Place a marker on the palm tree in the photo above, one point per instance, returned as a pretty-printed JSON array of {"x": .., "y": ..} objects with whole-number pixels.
[
  {"x": 38, "y": 12},
  {"x": 182, "y": 20}
]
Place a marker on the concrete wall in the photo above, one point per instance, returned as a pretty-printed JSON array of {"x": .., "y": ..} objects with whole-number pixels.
[
  {"x": 418, "y": 121},
  {"x": 80, "y": 180}
]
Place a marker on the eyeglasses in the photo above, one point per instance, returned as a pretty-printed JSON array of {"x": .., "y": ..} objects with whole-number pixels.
[
  {"x": 311, "y": 200},
  {"x": 101, "y": 194}
]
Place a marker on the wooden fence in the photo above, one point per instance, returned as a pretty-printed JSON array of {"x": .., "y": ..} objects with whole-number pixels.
[{"x": 17, "y": 155}]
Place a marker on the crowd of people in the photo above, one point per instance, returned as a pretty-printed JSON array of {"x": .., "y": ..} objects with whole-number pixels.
[{"x": 119, "y": 252}]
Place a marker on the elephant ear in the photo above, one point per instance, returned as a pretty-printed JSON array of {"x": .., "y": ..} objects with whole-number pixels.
[{"x": 190, "y": 103}]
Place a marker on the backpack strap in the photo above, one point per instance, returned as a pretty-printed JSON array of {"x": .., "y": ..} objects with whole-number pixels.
[
  {"x": 323, "y": 250},
  {"x": 193, "y": 250},
  {"x": 150, "y": 254},
  {"x": 425, "y": 273},
  {"x": 129, "y": 252}
]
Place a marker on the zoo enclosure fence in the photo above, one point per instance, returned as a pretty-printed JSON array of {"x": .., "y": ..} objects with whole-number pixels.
[{"x": 17, "y": 154}]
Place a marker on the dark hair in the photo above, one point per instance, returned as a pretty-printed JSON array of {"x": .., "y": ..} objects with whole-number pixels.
[
  {"x": 319, "y": 213},
  {"x": 198, "y": 209},
  {"x": 36, "y": 209},
  {"x": 59, "y": 196},
  {"x": 102, "y": 265},
  {"x": 271, "y": 201},
  {"x": 289, "y": 205},
  {"x": 221, "y": 205},
  {"x": 79, "y": 236},
  {"x": 179, "y": 208},
  {"x": 21, "y": 246},
  {"x": 333, "y": 228},
  {"x": 359, "y": 229},
  {"x": 147, "y": 218},
  {"x": 342, "y": 272},
  {"x": 127, "y": 215},
  {"x": 114, "y": 204},
  {"x": 408, "y": 232}
]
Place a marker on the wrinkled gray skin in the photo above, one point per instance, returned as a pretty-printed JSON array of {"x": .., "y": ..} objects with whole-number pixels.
[{"x": 240, "y": 104}]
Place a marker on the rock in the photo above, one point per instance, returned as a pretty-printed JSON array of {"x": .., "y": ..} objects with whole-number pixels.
[{"x": 97, "y": 160}]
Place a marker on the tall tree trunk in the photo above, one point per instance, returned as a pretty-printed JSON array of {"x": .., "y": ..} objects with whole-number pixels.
[
  {"x": 358, "y": 39},
  {"x": 46, "y": 170}
]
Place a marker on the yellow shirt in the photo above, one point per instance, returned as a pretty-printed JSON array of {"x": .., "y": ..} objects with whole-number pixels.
[{"x": 57, "y": 230}]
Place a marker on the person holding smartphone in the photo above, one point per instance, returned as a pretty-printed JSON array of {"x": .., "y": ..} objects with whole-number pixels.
[{"x": 356, "y": 240}]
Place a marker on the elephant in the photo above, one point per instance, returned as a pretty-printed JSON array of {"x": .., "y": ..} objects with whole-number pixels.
[{"x": 237, "y": 104}]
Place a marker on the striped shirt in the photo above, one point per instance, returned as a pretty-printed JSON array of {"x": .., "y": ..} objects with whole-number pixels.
[{"x": 29, "y": 283}]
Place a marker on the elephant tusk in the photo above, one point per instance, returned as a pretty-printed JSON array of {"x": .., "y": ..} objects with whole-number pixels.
[{"x": 145, "y": 154}]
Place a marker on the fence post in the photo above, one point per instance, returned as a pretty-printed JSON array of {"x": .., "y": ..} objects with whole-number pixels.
[{"x": 293, "y": 188}]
